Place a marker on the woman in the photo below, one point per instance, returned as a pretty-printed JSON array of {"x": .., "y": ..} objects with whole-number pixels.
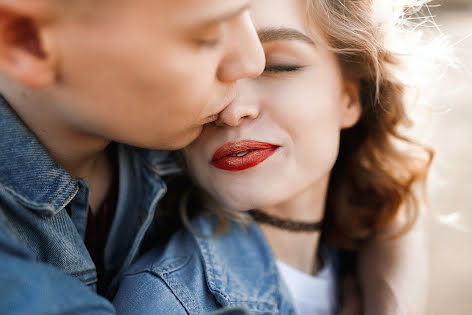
[{"x": 313, "y": 149}]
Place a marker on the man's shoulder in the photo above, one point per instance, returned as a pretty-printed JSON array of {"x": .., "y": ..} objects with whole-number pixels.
[
  {"x": 48, "y": 289},
  {"x": 10, "y": 243}
]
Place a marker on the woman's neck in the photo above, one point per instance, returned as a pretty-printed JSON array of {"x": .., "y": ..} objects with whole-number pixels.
[{"x": 298, "y": 249}]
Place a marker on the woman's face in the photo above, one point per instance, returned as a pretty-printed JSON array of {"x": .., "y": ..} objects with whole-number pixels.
[{"x": 279, "y": 139}]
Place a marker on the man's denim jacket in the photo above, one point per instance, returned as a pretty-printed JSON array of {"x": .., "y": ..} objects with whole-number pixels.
[
  {"x": 194, "y": 275},
  {"x": 43, "y": 215}
]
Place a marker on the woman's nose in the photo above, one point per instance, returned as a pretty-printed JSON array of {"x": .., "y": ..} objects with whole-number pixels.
[{"x": 244, "y": 107}]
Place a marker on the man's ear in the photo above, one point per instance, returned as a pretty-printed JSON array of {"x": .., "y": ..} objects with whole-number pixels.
[
  {"x": 25, "y": 54},
  {"x": 352, "y": 107}
]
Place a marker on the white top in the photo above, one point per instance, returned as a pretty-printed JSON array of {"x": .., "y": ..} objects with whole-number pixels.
[{"x": 317, "y": 295}]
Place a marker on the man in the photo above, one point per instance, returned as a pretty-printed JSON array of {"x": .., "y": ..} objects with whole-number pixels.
[{"x": 76, "y": 77}]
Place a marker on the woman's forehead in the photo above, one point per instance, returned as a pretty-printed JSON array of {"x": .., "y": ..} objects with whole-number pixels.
[
  {"x": 286, "y": 18},
  {"x": 279, "y": 14}
]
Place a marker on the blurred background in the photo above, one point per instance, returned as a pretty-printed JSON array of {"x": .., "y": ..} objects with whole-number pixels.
[{"x": 450, "y": 190}]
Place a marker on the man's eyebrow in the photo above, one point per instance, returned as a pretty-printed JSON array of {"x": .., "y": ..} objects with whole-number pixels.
[
  {"x": 225, "y": 16},
  {"x": 281, "y": 33}
]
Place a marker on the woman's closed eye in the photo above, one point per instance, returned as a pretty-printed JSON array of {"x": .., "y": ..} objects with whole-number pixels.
[{"x": 278, "y": 68}]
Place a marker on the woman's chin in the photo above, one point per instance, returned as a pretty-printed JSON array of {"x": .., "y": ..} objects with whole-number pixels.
[{"x": 235, "y": 205}]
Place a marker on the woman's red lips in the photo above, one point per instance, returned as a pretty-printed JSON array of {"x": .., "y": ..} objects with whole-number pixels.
[{"x": 241, "y": 155}]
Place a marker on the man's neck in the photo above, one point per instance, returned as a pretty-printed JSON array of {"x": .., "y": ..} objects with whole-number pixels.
[
  {"x": 88, "y": 160},
  {"x": 83, "y": 156}
]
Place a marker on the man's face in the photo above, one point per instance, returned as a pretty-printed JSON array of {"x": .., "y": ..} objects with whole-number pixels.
[{"x": 152, "y": 73}]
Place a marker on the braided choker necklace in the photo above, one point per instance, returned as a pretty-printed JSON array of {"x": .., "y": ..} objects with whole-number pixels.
[{"x": 285, "y": 224}]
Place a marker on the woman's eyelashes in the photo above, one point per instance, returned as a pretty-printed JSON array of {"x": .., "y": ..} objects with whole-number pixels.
[{"x": 278, "y": 68}]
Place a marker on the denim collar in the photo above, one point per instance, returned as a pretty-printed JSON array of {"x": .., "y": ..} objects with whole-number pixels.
[
  {"x": 229, "y": 262},
  {"x": 26, "y": 169},
  {"x": 28, "y": 172}
]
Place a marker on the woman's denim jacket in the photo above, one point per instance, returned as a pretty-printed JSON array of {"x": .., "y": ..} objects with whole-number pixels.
[{"x": 194, "y": 275}]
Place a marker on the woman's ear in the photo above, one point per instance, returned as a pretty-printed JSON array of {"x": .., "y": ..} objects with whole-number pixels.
[
  {"x": 25, "y": 54},
  {"x": 352, "y": 107}
]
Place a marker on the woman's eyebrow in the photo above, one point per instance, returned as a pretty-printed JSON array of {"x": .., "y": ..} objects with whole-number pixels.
[{"x": 281, "y": 33}]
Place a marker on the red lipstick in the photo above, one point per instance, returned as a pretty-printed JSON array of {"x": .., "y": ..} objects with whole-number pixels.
[{"x": 241, "y": 155}]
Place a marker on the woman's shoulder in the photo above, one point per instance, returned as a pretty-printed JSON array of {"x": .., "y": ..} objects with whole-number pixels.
[
  {"x": 169, "y": 277},
  {"x": 174, "y": 253},
  {"x": 146, "y": 293},
  {"x": 183, "y": 246},
  {"x": 199, "y": 272}
]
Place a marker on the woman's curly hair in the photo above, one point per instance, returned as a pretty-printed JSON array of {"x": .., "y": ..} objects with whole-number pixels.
[{"x": 380, "y": 172}]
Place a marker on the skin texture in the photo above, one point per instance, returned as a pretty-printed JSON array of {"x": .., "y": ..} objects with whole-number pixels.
[
  {"x": 144, "y": 73},
  {"x": 302, "y": 110}
]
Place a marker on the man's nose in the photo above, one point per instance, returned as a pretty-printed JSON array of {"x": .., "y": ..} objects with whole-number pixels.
[{"x": 245, "y": 56}]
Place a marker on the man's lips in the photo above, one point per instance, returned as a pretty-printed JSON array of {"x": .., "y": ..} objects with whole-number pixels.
[
  {"x": 237, "y": 156},
  {"x": 210, "y": 119}
]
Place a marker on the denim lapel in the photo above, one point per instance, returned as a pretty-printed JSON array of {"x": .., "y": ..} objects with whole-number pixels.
[
  {"x": 239, "y": 267},
  {"x": 141, "y": 187}
]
